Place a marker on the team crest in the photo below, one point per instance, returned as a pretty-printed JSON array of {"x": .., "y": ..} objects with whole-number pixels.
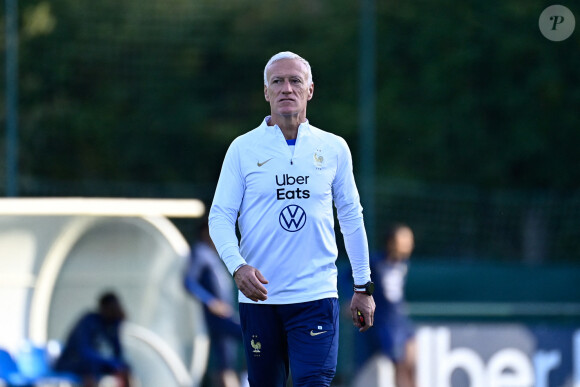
[
  {"x": 256, "y": 345},
  {"x": 319, "y": 158}
]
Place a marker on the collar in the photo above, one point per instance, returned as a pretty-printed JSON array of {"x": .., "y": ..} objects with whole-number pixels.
[{"x": 302, "y": 128}]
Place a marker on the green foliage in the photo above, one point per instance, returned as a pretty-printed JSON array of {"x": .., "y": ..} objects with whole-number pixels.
[
  {"x": 473, "y": 93},
  {"x": 155, "y": 90}
]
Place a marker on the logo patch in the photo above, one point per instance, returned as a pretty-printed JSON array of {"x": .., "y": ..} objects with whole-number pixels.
[
  {"x": 318, "y": 158},
  {"x": 292, "y": 218},
  {"x": 256, "y": 345}
]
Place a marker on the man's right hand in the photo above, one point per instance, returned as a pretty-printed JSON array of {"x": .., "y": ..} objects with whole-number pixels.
[{"x": 250, "y": 282}]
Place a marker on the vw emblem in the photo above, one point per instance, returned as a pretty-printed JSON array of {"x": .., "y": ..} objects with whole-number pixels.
[{"x": 292, "y": 218}]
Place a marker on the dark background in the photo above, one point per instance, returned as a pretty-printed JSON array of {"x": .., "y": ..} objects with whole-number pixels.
[{"x": 475, "y": 114}]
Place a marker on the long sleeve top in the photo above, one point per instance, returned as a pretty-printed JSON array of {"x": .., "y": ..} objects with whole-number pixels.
[{"x": 282, "y": 201}]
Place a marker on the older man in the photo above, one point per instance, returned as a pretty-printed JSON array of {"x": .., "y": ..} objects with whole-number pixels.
[{"x": 279, "y": 182}]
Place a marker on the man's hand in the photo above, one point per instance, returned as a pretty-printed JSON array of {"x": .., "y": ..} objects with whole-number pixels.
[
  {"x": 220, "y": 308},
  {"x": 366, "y": 305},
  {"x": 249, "y": 281}
]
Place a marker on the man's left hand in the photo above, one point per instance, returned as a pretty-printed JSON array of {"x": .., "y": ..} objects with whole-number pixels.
[{"x": 366, "y": 305}]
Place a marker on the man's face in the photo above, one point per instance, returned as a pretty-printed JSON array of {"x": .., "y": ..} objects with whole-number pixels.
[
  {"x": 402, "y": 245},
  {"x": 288, "y": 91}
]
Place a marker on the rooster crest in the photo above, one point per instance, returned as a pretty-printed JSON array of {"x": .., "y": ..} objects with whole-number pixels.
[{"x": 256, "y": 345}]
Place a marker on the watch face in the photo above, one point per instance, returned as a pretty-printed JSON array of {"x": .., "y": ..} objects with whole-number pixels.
[{"x": 370, "y": 287}]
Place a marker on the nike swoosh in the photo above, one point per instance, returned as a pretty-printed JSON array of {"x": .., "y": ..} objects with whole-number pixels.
[
  {"x": 312, "y": 333},
  {"x": 260, "y": 164}
]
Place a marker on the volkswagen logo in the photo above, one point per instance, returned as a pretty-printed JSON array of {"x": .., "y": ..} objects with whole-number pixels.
[{"x": 292, "y": 218}]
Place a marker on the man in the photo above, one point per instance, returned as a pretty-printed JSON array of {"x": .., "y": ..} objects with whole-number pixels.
[
  {"x": 207, "y": 279},
  {"x": 282, "y": 179},
  {"x": 394, "y": 334},
  {"x": 93, "y": 348}
]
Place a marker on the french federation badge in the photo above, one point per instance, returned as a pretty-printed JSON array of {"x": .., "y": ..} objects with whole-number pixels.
[
  {"x": 256, "y": 345},
  {"x": 318, "y": 158}
]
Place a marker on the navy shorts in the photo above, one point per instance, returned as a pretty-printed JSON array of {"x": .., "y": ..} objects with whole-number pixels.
[{"x": 302, "y": 337}]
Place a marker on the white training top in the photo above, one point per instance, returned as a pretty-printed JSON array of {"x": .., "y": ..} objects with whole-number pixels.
[{"x": 286, "y": 220}]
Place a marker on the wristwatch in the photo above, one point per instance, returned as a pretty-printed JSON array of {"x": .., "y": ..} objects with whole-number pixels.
[{"x": 367, "y": 288}]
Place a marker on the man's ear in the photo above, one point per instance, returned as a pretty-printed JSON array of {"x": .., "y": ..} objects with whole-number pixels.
[
  {"x": 266, "y": 93},
  {"x": 310, "y": 91}
]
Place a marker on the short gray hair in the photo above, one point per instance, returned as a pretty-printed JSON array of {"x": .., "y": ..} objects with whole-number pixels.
[{"x": 287, "y": 55}]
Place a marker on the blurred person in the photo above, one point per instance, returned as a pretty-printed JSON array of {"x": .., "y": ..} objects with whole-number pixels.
[
  {"x": 394, "y": 333},
  {"x": 93, "y": 349},
  {"x": 208, "y": 280},
  {"x": 279, "y": 182}
]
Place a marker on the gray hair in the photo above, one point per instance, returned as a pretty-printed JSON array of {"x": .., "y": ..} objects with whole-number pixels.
[{"x": 287, "y": 55}]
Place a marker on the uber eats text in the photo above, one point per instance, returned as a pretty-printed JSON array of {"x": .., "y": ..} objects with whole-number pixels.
[{"x": 288, "y": 182}]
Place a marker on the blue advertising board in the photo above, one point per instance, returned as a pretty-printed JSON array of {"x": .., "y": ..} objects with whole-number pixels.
[{"x": 498, "y": 355}]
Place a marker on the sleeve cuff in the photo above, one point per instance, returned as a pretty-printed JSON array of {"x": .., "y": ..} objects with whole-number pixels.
[{"x": 233, "y": 259}]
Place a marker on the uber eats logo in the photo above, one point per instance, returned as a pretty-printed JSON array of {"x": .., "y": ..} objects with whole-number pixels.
[{"x": 288, "y": 182}]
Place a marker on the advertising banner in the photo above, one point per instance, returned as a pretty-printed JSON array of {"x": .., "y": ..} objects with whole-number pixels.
[{"x": 498, "y": 355}]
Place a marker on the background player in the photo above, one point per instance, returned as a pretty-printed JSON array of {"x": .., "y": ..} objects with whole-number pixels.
[{"x": 394, "y": 333}]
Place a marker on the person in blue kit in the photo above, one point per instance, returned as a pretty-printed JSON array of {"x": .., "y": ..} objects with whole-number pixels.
[
  {"x": 394, "y": 334},
  {"x": 93, "y": 348},
  {"x": 279, "y": 182},
  {"x": 208, "y": 280}
]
